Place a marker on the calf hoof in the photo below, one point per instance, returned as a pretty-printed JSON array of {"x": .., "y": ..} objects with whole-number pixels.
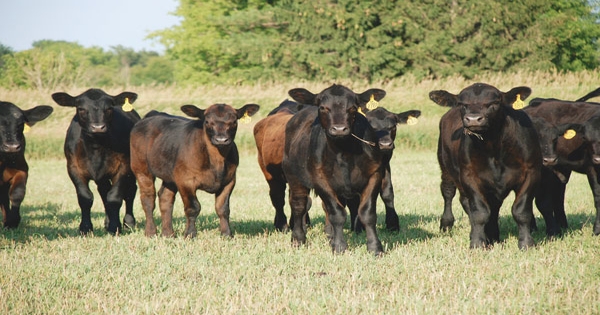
[
  {"x": 12, "y": 223},
  {"x": 525, "y": 244},
  {"x": 446, "y": 225},
  {"x": 129, "y": 222},
  {"x": 392, "y": 222},
  {"x": 150, "y": 232},
  {"x": 86, "y": 228},
  {"x": 376, "y": 249},
  {"x": 339, "y": 246},
  {"x": 282, "y": 227},
  {"x": 298, "y": 239},
  {"x": 358, "y": 227},
  {"x": 596, "y": 229},
  {"x": 114, "y": 229}
]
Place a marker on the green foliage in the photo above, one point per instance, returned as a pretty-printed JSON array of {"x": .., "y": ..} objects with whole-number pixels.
[
  {"x": 52, "y": 65},
  {"x": 238, "y": 41}
]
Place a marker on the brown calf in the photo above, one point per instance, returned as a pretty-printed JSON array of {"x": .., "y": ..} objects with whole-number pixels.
[{"x": 187, "y": 155}]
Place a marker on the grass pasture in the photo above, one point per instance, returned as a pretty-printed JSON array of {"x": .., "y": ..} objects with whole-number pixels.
[{"x": 47, "y": 268}]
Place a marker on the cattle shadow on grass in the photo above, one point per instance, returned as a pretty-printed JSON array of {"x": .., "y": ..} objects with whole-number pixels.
[
  {"x": 49, "y": 221},
  {"x": 412, "y": 229}
]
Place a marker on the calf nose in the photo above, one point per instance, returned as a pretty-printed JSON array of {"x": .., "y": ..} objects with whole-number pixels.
[
  {"x": 11, "y": 147},
  {"x": 596, "y": 159},
  {"x": 473, "y": 120},
  {"x": 549, "y": 160},
  {"x": 98, "y": 128},
  {"x": 386, "y": 144},
  {"x": 338, "y": 130},
  {"x": 221, "y": 140}
]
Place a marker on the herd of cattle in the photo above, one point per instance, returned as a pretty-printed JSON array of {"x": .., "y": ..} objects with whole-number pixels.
[{"x": 336, "y": 143}]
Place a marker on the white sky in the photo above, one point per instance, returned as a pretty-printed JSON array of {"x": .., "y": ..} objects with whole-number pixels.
[{"x": 102, "y": 23}]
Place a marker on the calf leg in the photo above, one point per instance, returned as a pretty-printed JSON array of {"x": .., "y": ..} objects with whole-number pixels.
[
  {"x": 593, "y": 179},
  {"x": 11, "y": 200},
  {"x": 222, "y": 208},
  {"x": 191, "y": 207},
  {"x": 479, "y": 215},
  {"x": 448, "y": 190},
  {"x": 112, "y": 199},
  {"x": 392, "y": 223},
  {"x": 337, "y": 217},
  {"x": 166, "y": 199},
  {"x": 85, "y": 198},
  {"x": 368, "y": 215},
  {"x": 546, "y": 201},
  {"x": 298, "y": 204},
  {"x": 129, "y": 190},
  {"x": 522, "y": 211},
  {"x": 277, "y": 194},
  {"x": 147, "y": 199}
]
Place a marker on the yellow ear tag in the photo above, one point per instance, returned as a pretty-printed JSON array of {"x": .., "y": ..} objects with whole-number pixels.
[
  {"x": 518, "y": 104},
  {"x": 569, "y": 134},
  {"x": 245, "y": 119},
  {"x": 372, "y": 103},
  {"x": 127, "y": 107},
  {"x": 26, "y": 128},
  {"x": 412, "y": 120},
  {"x": 361, "y": 112}
]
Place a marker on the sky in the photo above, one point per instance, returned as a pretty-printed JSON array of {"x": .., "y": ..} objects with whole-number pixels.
[{"x": 102, "y": 23}]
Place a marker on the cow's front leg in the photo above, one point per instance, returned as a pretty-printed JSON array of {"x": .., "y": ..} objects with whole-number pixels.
[
  {"x": 367, "y": 213},
  {"x": 12, "y": 198},
  {"x": 166, "y": 199},
  {"x": 222, "y": 208},
  {"x": 112, "y": 200},
  {"x": 299, "y": 204},
  {"x": 191, "y": 207},
  {"x": 478, "y": 217}
]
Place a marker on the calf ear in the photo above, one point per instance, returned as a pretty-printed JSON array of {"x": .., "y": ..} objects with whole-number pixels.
[
  {"x": 64, "y": 99},
  {"x": 37, "y": 113},
  {"x": 443, "y": 98},
  {"x": 247, "y": 110},
  {"x": 402, "y": 118},
  {"x": 365, "y": 96},
  {"x": 120, "y": 99},
  {"x": 302, "y": 96},
  {"x": 193, "y": 111},
  {"x": 511, "y": 96}
]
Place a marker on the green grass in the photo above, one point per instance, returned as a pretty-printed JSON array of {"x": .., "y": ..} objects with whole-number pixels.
[{"x": 47, "y": 268}]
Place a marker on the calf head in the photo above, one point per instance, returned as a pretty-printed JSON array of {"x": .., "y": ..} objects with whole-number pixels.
[
  {"x": 220, "y": 120},
  {"x": 482, "y": 106},
  {"x": 337, "y": 105},
  {"x": 589, "y": 131},
  {"x": 548, "y": 135},
  {"x": 384, "y": 123},
  {"x": 94, "y": 108},
  {"x": 12, "y": 123}
]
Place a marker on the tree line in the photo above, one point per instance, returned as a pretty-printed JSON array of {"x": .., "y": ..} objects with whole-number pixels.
[{"x": 238, "y": 41}]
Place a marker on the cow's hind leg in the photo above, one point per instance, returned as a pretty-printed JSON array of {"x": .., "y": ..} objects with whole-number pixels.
[
  {"x": 277, "y": 195},
  {"x": 147, "y": 199},
  {"x": 129, "y": 191},
  {"x": 166, "y": 199}
]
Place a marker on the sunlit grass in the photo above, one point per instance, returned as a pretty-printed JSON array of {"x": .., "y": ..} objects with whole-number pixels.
[{"x": 48, "y": 268}]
